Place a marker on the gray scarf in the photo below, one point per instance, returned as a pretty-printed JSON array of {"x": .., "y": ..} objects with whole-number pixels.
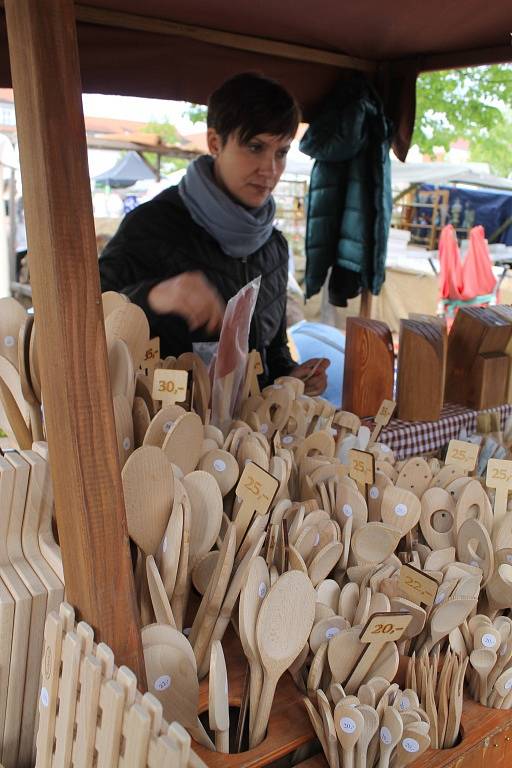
[{"x": 239, "y": 231}]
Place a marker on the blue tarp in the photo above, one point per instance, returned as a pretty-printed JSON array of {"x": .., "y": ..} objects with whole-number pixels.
[{"x": 470, "y": 207}]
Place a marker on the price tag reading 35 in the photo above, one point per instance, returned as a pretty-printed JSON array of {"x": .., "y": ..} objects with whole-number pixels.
[
  {"x": 417, "y": 586},
  {"x": 361, "y": 466},
  {"x": 462, "y": 454},
  {"x": 170, "y": 386},
  {"x": 256, "y": 490}
]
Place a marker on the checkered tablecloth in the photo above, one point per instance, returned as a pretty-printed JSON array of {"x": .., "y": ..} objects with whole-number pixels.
[{"x": 410, "y": 438}]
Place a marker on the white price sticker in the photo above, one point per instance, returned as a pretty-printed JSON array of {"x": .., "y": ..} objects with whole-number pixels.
[
  {"x": 45, "y": 698},
  {"x": 331, "y": 632},
  {"x": 347, "y": 510},
  {"x": 162, "y": 683},
  {"x": 410, "y": 745},
  {"x": 488, "y": 640},
  {"x": 262, "y": 590},
  {"x": 167, "y": 426},
  {"x": 385, "y": 735},
  {"x": 374, "y": 492},
  {"x": 127, "y": 443},
  {"x": 508, "y": 684},
  {"x": 401, "y": 510},
  {"x": 347, "y": 725},
  {"x": 404, "y": 704},
  {"x": 9, "y": 341},
  {"x": 287, "y": 439},
  {"x": 219, "y": 465},
  {"x": 264, "y": 429}
]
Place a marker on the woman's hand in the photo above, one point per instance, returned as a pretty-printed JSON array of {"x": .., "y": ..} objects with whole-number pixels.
[
  {"x": 191, "y": 296},
  {"x": 313, "y": 374}
]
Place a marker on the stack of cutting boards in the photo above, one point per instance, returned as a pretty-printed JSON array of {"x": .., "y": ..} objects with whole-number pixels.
[
  {"x": 478, "y": 363},
  {"x": 369, "y": 366},
  {"x": 421, "y": 369}
]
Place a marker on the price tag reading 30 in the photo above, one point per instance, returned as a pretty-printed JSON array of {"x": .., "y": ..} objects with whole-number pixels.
[
  {"x": 361, "y": 466},
  {"x": 170, "y": 386},
  {"x": 417, "y": 586},
  {"x": 462, "y": 454}
]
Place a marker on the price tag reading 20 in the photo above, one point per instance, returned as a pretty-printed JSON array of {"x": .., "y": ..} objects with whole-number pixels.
[
  {"x": 385, "y": 627},
  {"x": 170, "y": 386},
  {"x": 361, "y": 466}
]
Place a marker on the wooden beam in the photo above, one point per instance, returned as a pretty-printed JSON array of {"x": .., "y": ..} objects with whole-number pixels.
[
  {"x": 119, "y": 20},
  {"x": 66, "y": 291}
]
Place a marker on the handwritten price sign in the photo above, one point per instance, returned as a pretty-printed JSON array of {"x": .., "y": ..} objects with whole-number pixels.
[{"x": 462, "y": 454}]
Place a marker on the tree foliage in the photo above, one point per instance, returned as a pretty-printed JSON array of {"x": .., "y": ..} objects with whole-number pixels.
[
  {"x": 473, "y": 104},
  {"x": 169, "y": 133}
]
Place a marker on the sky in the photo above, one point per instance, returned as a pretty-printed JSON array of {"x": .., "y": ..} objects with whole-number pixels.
[{"x": 142, "y": 110}]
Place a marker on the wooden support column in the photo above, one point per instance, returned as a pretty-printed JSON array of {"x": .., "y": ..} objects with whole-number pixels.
[{"x": 71, "y": 336}]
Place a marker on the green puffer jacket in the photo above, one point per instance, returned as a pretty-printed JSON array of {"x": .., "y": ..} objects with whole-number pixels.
[{"x": 349, "y": 205}]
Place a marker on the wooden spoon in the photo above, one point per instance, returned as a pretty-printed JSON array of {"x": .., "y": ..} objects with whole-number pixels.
[
  {"x": 172, "y": 678},
  {"x": 148, "y": 486},
  {"x": 483, "y": 660},
  {"x": 390, "y": 734},
  {"x": 223, "y": 467},
  {"x": 350, "y": 726},
  {"x": 206, "y": 506},
  {"x": 252, "y": 594},
  {"x": 182, "y": 444},
  {"x": 282, "y": 629},
  {"x": 371, "y": 726},
  {"x": 218, "y": 702},
  {"x": 159, "y": 599},
  {"x": 446, "y": 617}
]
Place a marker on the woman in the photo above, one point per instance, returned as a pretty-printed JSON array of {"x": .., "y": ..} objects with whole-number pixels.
[{"x": 184, "y": 254}]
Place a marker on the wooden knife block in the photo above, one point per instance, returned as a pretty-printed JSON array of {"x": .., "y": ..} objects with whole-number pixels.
[
  {"x": 475, "y": 331},
  {"x": 421, "y": 366},
  {"x": 369, "y": 366},
  {"x": 489, "y": 380}
]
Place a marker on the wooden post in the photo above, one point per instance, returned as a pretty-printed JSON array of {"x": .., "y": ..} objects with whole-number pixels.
[
  {"x": 365, "y": 309},
  {"x": 71, "y": 336}
]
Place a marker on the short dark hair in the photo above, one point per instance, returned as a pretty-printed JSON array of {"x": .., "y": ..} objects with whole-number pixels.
[{"x": 249, "y": 104}]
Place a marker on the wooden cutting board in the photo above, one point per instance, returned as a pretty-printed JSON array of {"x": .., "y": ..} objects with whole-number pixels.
[
  {"x": 421, "y": 348},
  {"x": 369, "y": 366},
  {"x": 476, "y": 330}
]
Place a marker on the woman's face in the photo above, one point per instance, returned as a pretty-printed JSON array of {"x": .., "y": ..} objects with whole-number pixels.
[{"x": 248, "y": 172}]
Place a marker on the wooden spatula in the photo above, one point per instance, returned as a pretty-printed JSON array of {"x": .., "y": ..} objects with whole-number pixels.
[{"x": 282, "y": 629}]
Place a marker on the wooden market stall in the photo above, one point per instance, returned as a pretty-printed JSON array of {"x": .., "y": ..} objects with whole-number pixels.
[{"x": 179, "y": 50}]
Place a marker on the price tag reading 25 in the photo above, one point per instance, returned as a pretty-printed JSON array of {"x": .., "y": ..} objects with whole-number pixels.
[
  {"x": 257, "y": 488},
  {"x": 361, "y": 466},
  {"x": 170, "y": 386},
  {"x": 462, "y": 454}
]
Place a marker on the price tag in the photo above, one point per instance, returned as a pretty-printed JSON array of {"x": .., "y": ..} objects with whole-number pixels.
[
  {"x": 170, "y": 386},
  {"x": 258, "y": 365},
  {"x": 382, "y": 418},
  {"x": 417, "y": 586},
  {"x": 380, "y": 629},
  {"x": 462, "y": 454},
  {"x": 256, "y": 490},
  {"x": 361, "y": 466},
  {"x": 151, "y": 356},
  {"x": 385, "y": 627},
  {"x": 499, "y": 476}
]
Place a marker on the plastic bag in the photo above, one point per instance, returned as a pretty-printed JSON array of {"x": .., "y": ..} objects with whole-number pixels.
[{"x": 232, "y": 354}]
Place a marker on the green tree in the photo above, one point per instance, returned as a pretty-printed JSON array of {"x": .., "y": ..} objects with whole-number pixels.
[
  {"x": 196, "y": 113},
  {"x": 472, "y": 104},
  {"x": 170, "y": 135}
]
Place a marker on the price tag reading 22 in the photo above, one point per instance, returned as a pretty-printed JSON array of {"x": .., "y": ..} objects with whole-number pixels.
[
  {"x": 170, "y": 386},
  {"x": 417, "y": 586},
  {"x": 361, "y": 466}
]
